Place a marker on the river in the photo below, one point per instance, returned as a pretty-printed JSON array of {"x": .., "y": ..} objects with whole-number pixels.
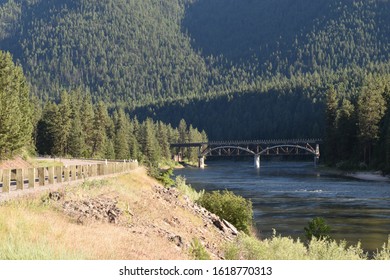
[{"x": 287, "y": 195}]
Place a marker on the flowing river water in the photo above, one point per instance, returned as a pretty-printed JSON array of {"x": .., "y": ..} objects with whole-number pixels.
[{"x": 287, "y": 195}]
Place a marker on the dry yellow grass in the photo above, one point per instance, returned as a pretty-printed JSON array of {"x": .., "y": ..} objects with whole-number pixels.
[{"x": 37, "y": 228}]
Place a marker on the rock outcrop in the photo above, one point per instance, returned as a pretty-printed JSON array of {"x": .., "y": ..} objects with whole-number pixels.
[{"x": 99, "y": 209}]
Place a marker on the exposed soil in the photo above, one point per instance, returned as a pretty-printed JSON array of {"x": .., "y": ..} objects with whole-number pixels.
[{"x": 16, "y": 163}]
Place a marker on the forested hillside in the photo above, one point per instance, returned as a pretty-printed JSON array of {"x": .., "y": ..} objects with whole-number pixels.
[
  {"x": 237, "y": 69},
  {"x": 292, "y": 35},
  {"x": 139, "y": 52}
]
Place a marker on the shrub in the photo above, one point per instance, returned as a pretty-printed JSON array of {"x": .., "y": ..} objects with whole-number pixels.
[
  {"x": 233, "y": 208},
  {"x": 321, "y": 249},
  {"x": 286, "y": 248},
  {"x": 274, "y": 248},
  {"x": 185, "y": 189},
  {"x": 165, "y": 177},
  {"x": 197, "y": 250},
  {"x": 317, "y": 228},
  {"x": 384, "y": 254}
]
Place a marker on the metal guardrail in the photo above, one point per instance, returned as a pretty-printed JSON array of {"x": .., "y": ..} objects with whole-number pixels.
[{"x": 29, "y": 178}]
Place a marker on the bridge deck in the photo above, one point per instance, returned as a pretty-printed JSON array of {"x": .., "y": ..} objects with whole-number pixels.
[{"x": 248, "y": 142}]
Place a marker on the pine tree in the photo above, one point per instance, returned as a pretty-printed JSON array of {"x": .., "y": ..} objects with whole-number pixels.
[
  {"x": 133, "y": 143},
  {"x": 371, "y": 109},
  {"x": 64, "y": 126},
  {"x": 121, "y": 144},
  {"x": 47, "y": 129},
  {"x": 99, "y": 134},
  {"x": 16, "y": 121},
  {"x": 76, "y": 142},
  {"x": 331, "y": 117},
  {"x": 183, "y": 131},
  {"x": 149, "y": 143},
  {"x": 193, "y": 136},
  {"x": 346, "y": 130},
  {"x": 162, "y": 136},
  {"x": 87, "y": 123}
]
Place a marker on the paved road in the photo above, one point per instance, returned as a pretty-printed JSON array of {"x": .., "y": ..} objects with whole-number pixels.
[{"x": 67, "y": 161}]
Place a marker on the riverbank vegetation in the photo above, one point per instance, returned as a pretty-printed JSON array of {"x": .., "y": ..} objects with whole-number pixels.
[
  {"x": 235, "y": 209},
  {"x": 286, "y": 248}
]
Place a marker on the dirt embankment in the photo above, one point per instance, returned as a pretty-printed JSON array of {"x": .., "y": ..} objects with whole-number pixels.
[
  {"x": 130, "y": 216},
  {"x": 15, "y": 163}
]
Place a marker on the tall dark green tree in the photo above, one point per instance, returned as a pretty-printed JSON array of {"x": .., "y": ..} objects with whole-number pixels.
[
  {"x": 150, "y": 146},
  {"x": 76, "y": 142},
  {"x": 122, "y": 129},
  {"x": 87, "y": 123},
  {"x": 371, "y": 109},
  {"x": 163, "y": 140},
  {"x": 331, "y": 125},
  {"x": 346, "y": 131},
  {"x": 63, "y": 125},
  {"x": 47, "y": 129},
  {"x": 133, "y": 143},
  {"x": 99, "y": 134},
  {"x": 16, "y": 118}
]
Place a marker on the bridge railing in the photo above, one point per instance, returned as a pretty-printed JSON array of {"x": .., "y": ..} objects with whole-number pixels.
[
  {"x": 30, "y": 178},
  {"x": 249, "y": 142}
]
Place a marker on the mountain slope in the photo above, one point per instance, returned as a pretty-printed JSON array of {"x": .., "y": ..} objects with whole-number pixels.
[
  {"x": 300, "y": 33},
  {"x": 122, "y": 50},
  {"x": 138, "y": 52}
]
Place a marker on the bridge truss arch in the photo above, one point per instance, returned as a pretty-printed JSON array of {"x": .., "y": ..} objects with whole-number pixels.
[
  {"x": 288, "y": 149},
  {"x": 256, "y": 148},
  {"x": 226, "y": 151}
]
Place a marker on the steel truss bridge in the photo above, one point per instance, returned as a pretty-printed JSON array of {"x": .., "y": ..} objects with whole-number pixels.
[{"x": 256, "y": 148}]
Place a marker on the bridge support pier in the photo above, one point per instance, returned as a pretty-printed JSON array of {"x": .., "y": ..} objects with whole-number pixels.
[
  {"x": 257, "y": 161},
  {"x": 317, "y": 155},
  {"x": 201, "y": 162}
]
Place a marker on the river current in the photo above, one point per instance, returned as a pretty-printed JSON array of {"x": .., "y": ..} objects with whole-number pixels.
[{"x": 287, "y": 195}]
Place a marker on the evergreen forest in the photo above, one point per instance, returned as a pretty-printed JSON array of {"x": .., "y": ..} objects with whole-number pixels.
[{"x": 97, "y": 74}]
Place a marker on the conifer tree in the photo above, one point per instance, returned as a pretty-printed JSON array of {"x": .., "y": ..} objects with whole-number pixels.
[
  {"x": 121, "y": 144},
  {"x": 331, "y": 125},
  {"x": 47, "y": 129},
  {"x": 162, "y": 137},
  {"x": 183, "y": 131},
  {"x": 346, "y": 130},
  {"x": 99, "y": 134},
  {"x": 64, "y": 125},
  {"x": 150, "y": 147},
  {"x": 15, "y": 108},
  {"x": 193, "y": 136},
  {"x": 87, "y": 117},
  {"x": 133, "y": 143},
  {"x": 76, "y": 143},
  {"x": 371, "y": 109}
]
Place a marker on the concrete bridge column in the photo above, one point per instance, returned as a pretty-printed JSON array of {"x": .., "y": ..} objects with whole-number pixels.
[
  {"x": 317, "y": 155},
  {"x": 201, "y": 162},
  {"x": 257, "y": 161}
]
